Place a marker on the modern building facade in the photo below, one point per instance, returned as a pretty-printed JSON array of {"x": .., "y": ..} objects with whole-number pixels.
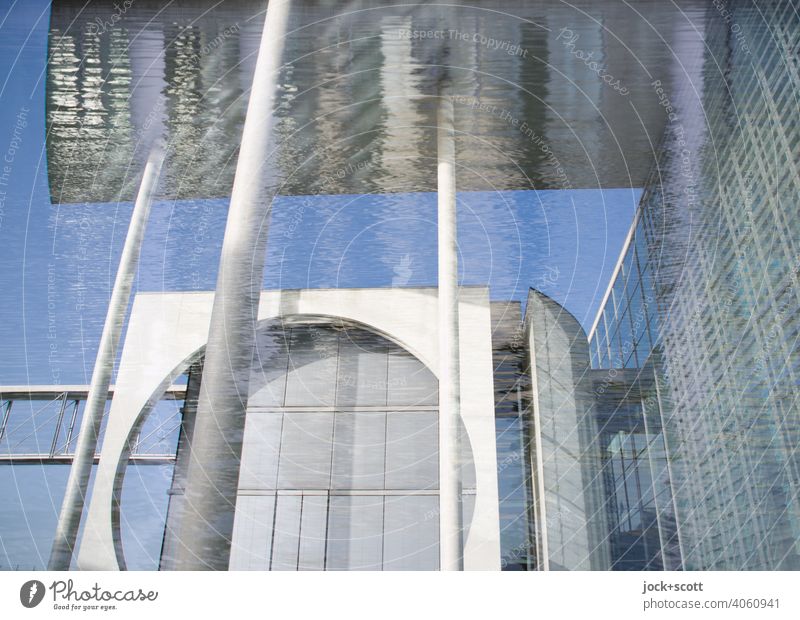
[
  {"x": 704, "y": 302},
  {"x": 340, "y": 451},
  {"x": 339, "y": 462},
  {"x": 662, "y": 438}
]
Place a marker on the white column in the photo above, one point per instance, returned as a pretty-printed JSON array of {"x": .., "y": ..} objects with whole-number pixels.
[
  {"x": 450, "y": 518},
  {"x": 72, "y": 507},
  {"x": 213, "y": 473}
]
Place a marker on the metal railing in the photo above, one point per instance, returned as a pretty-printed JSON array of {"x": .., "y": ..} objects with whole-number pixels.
[{"x": 39, "y": 425}]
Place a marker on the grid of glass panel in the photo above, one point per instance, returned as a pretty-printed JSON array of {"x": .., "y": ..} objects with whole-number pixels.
[
  {"x": 623, "y": 337},
  {"x": 716, "y": 249},
  {"x": 340, "y": 455},
  {"x": 638, "y": 498}
]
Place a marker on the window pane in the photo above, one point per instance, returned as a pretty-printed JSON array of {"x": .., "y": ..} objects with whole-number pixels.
[
  {"x": 312, "y": 532},
  {"x": 411, "y": 540},
  {"x": 412, "y": 450},
  {"x": 268, "y": 379},
  {"x": 358, "y": 455},
  {"x": 312, "y": 367},
  {"x": 286, "y": 538},
  {"x": 410, "y": 382},
  {"x": 362, "y": 370},
  {"x": 260, "y": 449},
  {"x": 355, "y": 533},
  {"x": 252, "y": 532},
  {"x": 306, "y": 450}
]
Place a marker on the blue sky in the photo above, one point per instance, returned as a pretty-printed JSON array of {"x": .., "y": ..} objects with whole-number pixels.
[{"x": 59, "y": 261}]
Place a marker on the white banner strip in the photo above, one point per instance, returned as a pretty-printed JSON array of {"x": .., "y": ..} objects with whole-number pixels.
[{"x": 399, "y": 595}]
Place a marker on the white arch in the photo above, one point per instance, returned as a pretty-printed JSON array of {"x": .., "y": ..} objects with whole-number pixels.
[{"x": 167, "y": 331}]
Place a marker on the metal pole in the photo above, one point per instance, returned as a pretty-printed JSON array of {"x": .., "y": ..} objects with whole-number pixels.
[
  {"x": 72, "y": 507},
  {"x": 6, "y": 415},
  {"x": 71, "y": 428},
  {"x": 213, "y": 472},
  {"x": 54, "y": 443},
  {"x": 450, "y": 546}
]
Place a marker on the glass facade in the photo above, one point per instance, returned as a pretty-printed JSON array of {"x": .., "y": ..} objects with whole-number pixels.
[
  {"x": 635, "y": 470},
  {"x": 704, "y": 305},
  {"x": 340, "y": 457},
  {"x": 513, "y": 439}
]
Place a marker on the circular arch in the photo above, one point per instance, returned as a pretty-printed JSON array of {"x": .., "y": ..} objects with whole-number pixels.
[{"x": 288, "y": 319}]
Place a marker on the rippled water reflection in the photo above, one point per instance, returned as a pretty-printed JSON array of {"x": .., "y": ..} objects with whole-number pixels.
[{"x": 572, "y": 106}]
